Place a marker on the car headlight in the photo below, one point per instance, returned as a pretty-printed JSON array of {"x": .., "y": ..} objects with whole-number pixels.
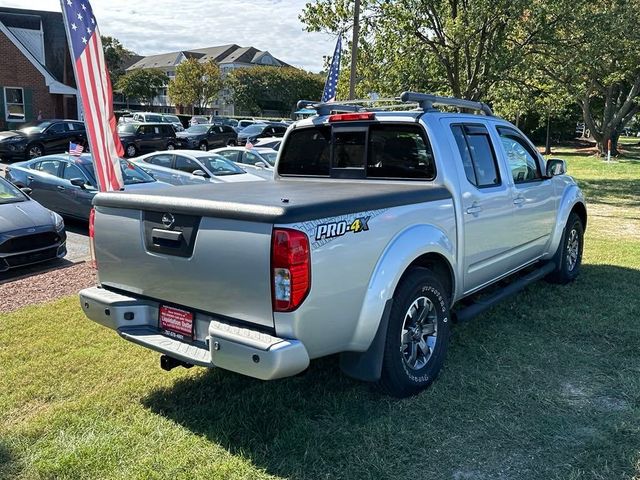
[{"x": 58, "y": 221}]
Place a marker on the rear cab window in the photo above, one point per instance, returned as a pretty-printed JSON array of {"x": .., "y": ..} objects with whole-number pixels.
[{"x": 382, "y": 151}]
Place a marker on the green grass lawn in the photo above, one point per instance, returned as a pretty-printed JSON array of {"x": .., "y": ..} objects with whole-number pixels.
[{"x": 545, "y": 386}]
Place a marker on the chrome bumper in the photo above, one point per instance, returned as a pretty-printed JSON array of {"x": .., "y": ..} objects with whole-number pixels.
[{"x": 242, "y": 350}]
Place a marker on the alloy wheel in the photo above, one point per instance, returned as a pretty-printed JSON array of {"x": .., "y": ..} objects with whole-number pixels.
[{"x": 419, "y": 333}]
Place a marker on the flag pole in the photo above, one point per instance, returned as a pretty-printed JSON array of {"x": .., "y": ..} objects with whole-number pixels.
[{"x": 75, "y": 74}]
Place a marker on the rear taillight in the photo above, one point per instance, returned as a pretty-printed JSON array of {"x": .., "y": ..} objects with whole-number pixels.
[
  {"x": 92, "y": 250},
  {"x": 290, "y": 269}
]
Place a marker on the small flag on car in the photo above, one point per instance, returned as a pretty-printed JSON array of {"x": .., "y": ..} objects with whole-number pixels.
[
  {"x": 249, "y": 145},
  {"x": 331, "y": 85},
  {"x": 75, "y": 150},
  {"x": 94, "y": 87}
]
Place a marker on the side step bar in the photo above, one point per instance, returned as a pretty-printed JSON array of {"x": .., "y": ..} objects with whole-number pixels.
[{"x": 475, "y": 309}]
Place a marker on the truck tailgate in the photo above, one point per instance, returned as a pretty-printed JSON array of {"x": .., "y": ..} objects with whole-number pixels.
[{"x": 219, "y": 265}]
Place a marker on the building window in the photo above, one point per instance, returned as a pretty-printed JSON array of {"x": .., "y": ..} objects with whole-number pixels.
[{"x": 14, "y": 104}]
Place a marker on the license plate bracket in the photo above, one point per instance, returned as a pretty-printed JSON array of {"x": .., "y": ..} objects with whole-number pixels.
[{"x": 176, "y": 322}]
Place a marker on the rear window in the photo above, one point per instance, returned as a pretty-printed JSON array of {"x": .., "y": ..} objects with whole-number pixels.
[{"x": 375, "y": 151}]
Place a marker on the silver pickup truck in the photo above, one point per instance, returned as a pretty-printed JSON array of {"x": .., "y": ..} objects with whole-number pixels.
[{"x": 377, "y": 225}]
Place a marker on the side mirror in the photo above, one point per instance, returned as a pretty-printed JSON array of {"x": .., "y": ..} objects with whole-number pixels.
[
  {"x": 260, "y": 165},
  {"x": 78, "y": 182},
  {"x": 200, "y": 173},
  {"x": 26, "y": 190},
  {"x": 556, "y": 166}
]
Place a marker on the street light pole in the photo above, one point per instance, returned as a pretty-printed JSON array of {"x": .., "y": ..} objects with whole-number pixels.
[{"x": 354, "y": 50}]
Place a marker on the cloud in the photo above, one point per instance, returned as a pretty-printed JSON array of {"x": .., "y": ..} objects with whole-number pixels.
[{"x": 160, "y": 26}]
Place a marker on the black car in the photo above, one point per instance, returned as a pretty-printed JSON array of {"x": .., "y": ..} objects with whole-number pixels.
[
  {"x": 261, "y": 130},
  {"x": 207, "y": 136},
  {"x": 140, "y": 138},
  {"x": 41, "y": 138}
]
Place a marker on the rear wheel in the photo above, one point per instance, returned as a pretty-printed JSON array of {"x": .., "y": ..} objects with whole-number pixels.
[
  {"x": 171, "y": 146},
  {"x": 131, "y": 150},
  {"x": 35, "y": 150},
  {"x": 203, "y": 146},
  {"x": 417, "y": 334},
  {"x": 569, "y": 254},
  {"x": 231, "y": 143}
]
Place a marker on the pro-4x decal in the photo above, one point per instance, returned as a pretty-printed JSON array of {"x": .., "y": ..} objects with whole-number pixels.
[{"x": 337, "y": 229}]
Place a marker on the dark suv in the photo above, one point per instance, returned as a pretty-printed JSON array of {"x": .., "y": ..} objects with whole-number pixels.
[
  {"x": 261, "y": 130},
  {"x": 40, "y": 138},
  {"x": 207, "y": 136},
  {"x": 140, "y": 138}
]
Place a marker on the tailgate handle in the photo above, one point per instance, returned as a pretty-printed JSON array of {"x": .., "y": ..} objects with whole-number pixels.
[{"x": 170, "y": 235}]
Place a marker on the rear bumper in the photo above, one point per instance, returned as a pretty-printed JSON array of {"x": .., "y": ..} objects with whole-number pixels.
[{"x": 242, "y": 350}]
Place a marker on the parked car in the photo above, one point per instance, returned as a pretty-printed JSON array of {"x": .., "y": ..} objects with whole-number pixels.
[
  {"x": 242, "y": 124},
  {"x": 206, "y": 136},
  {"x": 29, "y": 233},
  {"x": 173, "y": 120},
  {"x": 40, "y": 138},
  {"x": 67, "y": 184},
  {"x": 269, "y": 142},
  {"x": 259, "y": 161},
  {"x": 140, "y": 138},
  {"x": 198, "y": 119},
  {"x": 377, "y": 225},
  {"x": 260, "y": 130},
  {"x": 147, "y": 117},
  {"x": 188, "y": 167},
  {"x": 218, "y": 120}
]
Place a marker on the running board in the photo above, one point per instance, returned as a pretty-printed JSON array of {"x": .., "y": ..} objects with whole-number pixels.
[{"x": 475, "y": 309}]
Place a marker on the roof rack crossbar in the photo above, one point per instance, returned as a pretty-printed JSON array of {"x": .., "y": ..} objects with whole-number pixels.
[
  {"x": 427, "y": 102},
  {"x": 327, "y": 107}
]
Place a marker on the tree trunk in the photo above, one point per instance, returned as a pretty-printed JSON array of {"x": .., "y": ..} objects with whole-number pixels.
[
  {"x": 603, "y": 143},
  {"x": 547, "y": 145}
]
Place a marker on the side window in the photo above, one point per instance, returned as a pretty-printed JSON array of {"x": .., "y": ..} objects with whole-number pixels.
[
  {"x": 478, "y": 157},
  {"x": 231, "y": 155},
  {"x": 185, "y": 164},
  {"x": 144, "y": 130},
  {"x": 72, "y": 171},
  {"x": 163, "y": 160},
  {"x": 250, "y": 158},
  {"x": 399, "y": 151},
  {"x": 48, "y": 166},
  {"x": 227, "y": 129},
  {"x": 349, "y": 148},
  {"x": 522, "y": 159},
  {"x": 156, "y": 130},
  {"x": 279, "y": 131},
  {"x": 56, "y": 128}
]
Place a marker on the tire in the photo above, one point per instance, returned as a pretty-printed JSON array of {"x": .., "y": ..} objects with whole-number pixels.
[
  {"x": 171, "y": 146},
  {"x": 415, "y": 347},
  {"x": 231, "y": 143},
  {"x": 203, "y": 146},
  {"x": 569, "y": 255},
  {"x": 34, "y": 150},
  {"x": 131, "y": 150}
]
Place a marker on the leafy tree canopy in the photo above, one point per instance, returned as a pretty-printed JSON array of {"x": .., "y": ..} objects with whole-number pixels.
[
  {"x": 196, "y": 84},
  {"x": 115, "y": 56},
  {"x": 142, "y": 84}
]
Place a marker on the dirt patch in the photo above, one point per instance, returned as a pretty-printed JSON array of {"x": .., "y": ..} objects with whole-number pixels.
[{"x": 46, "y": 286}]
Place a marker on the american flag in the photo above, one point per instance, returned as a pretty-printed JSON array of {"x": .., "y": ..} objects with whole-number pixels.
[
  {"x": 75, "y": 150},
  {"x": 329, "y": 94},
  {"x": 94, "y": 87}
]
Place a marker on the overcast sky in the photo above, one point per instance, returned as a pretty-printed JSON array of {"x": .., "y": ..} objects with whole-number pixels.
[{"x": 161, "y": 26}]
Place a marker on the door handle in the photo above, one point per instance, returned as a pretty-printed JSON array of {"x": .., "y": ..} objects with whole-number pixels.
[
  {"x": 30, "y": 178},
  {"x": 61, "y": 188},
  {"x": 518, "y": 200},
  {"x": 474, "y": 208}
]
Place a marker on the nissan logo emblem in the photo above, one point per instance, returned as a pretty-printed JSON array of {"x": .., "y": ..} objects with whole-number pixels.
[{"x": 168, "y": 220}]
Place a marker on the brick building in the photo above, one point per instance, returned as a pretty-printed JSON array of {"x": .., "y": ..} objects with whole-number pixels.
[{"x": 36, "y": 74}]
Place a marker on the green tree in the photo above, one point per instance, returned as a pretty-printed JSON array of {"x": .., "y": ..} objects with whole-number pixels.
[
  {"x": 142, "y": 84},
  {"x": 115, "y": 56},
  {"x": 273, "y": 88},
  {"x": 595, "y": 58},
  {"x": 196, "y": 84}
]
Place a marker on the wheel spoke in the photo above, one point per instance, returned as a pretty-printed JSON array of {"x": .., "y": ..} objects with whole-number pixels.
[
  {"x": 424, "y": 347},
  {"x": 406, "y": 337},
  {"x": 414, "y": 354}
]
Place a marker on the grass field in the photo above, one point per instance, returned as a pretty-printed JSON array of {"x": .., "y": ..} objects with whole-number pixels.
[{"x": 545, "y": 386}]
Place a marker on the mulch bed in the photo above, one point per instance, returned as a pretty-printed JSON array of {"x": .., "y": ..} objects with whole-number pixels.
[{"x": 44, "y": 287}]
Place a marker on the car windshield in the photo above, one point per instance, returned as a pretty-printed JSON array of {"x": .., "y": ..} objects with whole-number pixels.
[
  {"x": 34, "y": 127},
  {"x": 9, "y": 193},
  {"x": 220, "y": 166},
  {"x": 127, "y": 128},
  {"x": 270, "y": 157},
  {"x": 252, "y": 129},
  {"x": 153, "y": 118},
  {"x": 171, "y": 118},
  {"x": 131, "y": 174},
  {"x": 197, "y": 129}
]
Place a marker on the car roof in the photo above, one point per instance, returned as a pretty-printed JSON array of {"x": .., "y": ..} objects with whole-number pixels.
[{"x": 244, "y": 149}]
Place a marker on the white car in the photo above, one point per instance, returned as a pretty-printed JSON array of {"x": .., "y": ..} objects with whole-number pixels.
[
  {"x": 269, "y": 142},
  {"x": 259, "y": 161},
  {"x": 189, "y": 167}
]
